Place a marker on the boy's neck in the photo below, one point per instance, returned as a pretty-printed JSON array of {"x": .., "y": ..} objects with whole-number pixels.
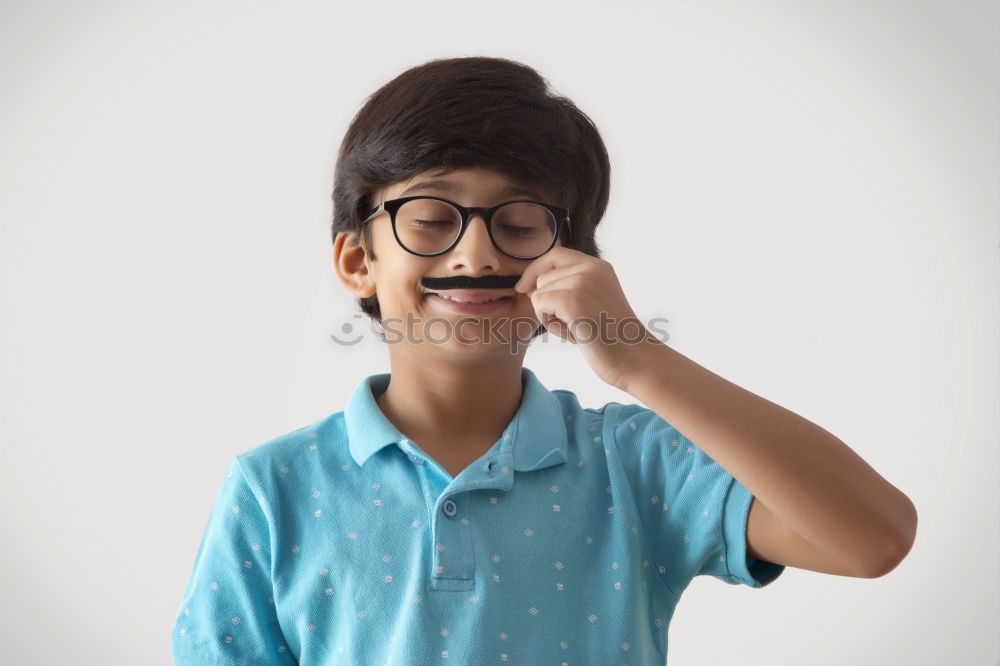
[{"x": 454, "y": 412}]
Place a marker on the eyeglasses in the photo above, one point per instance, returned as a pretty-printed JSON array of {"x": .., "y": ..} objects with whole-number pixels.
[{"x": 430, "y": 226}]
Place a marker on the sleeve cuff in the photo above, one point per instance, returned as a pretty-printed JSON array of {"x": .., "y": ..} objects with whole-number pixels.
[{"x": 743, "y": 568}]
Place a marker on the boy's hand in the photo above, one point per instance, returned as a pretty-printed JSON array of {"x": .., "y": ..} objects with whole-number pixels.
[{"x": 578, "y": 297}]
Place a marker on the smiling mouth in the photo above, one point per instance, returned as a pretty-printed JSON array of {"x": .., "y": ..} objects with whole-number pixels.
[
  {"x": 472, "y": 297},
  {"x": 456, "y": 300}
]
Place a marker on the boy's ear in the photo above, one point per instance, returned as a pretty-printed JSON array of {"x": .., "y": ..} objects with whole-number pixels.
[{"x": 350, "y": 262}]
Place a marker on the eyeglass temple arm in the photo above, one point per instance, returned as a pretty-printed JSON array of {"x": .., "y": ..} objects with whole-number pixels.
[{"x": 375, "y": 212}]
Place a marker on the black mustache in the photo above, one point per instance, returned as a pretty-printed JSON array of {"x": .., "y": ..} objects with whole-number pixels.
[{"x": 467, "y": 282}]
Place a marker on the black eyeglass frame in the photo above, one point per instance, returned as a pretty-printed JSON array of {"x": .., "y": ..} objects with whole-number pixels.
[{"x": 393, "y": 205}]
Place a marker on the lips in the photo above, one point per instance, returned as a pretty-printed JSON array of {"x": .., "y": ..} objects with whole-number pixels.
[{"x": 441, "y": 303}]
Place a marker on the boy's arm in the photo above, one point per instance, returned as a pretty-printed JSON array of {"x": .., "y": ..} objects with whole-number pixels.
[
  {"x": 228, "y": 614},
  {"x": 821, "y": 507}
]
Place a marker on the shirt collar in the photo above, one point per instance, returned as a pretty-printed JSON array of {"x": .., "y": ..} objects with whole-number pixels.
[{"x": 537, "y": 434}]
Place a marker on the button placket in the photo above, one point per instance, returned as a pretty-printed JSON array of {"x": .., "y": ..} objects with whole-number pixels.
[
  {"x": 452, "y": 556},
  {"x": 452, "y": 560}
]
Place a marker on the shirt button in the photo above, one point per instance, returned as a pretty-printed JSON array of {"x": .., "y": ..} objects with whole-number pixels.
[
  {"x": 449, "y": 508},
  {"x": 489, "y": 468}
]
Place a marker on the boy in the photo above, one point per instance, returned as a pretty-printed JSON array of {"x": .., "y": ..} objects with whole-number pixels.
[{"x": 462, "y": 512}]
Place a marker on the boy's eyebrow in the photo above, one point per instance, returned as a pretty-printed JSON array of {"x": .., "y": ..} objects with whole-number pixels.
[{"x": 448, "y": 186}]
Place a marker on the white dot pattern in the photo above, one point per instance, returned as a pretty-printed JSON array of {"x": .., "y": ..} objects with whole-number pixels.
[{"x": 344, "y": 542}]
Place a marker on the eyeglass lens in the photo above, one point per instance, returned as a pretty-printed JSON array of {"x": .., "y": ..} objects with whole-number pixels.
[{"x": 428, "y": 226}]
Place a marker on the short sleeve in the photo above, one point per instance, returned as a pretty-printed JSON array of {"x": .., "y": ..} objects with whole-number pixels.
[
  {"x": 227, "y": 615},
  {"x": 693, "y": 511}
]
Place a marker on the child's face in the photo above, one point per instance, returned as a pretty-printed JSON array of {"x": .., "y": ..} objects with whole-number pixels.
[{"x": 396, "y": 275}]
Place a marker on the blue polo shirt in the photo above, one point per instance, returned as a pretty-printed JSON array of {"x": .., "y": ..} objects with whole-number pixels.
[{"x": 570, "y": 541}]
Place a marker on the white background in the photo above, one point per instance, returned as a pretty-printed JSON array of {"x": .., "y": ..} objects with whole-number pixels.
[{"x": 807, "y": 191}]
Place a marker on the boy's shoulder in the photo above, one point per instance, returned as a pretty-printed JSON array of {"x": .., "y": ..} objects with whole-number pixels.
[
  {"x": 632, "y": 426},
  {"x": 571, "y": 405},
  {"x": 302, "y": 444}
]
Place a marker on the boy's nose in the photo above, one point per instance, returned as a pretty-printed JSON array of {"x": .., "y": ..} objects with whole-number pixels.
[{"x": 475, "y": 249}]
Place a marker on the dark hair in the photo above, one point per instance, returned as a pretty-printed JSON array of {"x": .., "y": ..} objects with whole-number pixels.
[{"x": 474, "y": 111}]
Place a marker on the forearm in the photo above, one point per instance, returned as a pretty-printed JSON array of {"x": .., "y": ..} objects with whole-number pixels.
[{"x": 817, "y": 486}]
